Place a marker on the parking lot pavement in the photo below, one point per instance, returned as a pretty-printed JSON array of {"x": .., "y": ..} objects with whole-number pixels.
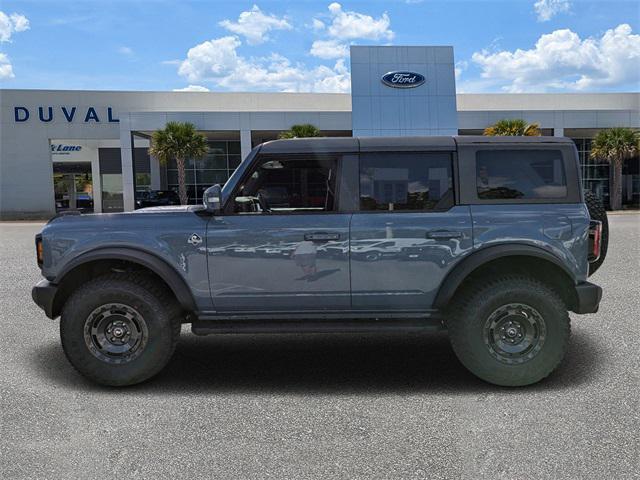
[{"x": 357, "y": 406}]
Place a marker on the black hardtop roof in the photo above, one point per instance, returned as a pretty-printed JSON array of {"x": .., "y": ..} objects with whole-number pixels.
[{"x": 378, "y": 144}]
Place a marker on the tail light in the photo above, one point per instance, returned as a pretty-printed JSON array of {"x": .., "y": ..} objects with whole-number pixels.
[
  {"x": 39, "y": 251},
  {"x": 595, "y": 240}
]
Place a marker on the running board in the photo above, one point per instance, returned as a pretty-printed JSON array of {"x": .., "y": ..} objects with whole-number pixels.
[{"x": 316, "y": 326}]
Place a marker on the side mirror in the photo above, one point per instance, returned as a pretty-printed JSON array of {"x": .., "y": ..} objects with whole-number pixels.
[{"x": 212, "y": 199}]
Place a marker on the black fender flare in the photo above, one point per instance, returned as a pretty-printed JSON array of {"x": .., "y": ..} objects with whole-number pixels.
[
  {"x": 157, "y": 265},
  {"x": 485, "y": 255}
]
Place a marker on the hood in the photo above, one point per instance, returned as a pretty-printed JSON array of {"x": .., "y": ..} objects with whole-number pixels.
[{"x": 169, "y": 209}]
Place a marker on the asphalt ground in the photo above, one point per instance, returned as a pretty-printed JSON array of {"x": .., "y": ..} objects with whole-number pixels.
[{"x": 322, "y": 406}]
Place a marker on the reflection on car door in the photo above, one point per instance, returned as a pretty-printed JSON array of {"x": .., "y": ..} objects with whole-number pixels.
[
  {"x": 418, "y": 234},
  {"x": 269, "y": 254}
]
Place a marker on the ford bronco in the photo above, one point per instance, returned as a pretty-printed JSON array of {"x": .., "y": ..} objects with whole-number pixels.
[{"x": 492, "y": 239}]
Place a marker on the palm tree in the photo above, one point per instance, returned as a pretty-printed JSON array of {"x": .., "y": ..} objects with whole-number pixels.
[
  {"x": 178, "y": 141},
  {"x": 301, "y": 131},
  {"x": 615, "y": 145},
  {"x": 513, "y": 128}
]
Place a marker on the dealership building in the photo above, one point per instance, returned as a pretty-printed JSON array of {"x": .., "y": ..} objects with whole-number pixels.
[{"x": 62, "y": 149}]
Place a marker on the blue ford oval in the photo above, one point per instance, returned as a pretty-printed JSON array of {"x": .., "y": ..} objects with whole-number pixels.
[{"x": 401, "y": 79}]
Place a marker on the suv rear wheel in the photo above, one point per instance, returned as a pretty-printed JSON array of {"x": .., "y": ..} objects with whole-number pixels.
[
  {"x": 120, "y": 329},
  {"x": 510, "y": 331}
]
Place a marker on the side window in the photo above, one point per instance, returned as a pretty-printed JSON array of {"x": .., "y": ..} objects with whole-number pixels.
[
  {"x": 405, "y": 181},
  {"x": 289, "y": 184},
  {"x": 520, "y": 174}
]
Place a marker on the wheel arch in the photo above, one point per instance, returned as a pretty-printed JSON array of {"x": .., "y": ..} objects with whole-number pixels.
[
  {"x": 127, "y": 255},
  {"x": 506, "y": 258}
]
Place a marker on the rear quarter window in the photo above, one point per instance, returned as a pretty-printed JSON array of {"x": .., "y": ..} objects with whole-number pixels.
[{"x": 520, "y": 174}]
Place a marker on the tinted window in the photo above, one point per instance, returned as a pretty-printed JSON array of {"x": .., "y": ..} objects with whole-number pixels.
[
  {"x": 405, "y": 181},
  {"x": 283, "y": 184},
  {"x": 521, "y": 174}
]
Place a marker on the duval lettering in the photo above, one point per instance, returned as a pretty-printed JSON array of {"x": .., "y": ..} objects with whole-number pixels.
[{"x": 47, "y": 114}]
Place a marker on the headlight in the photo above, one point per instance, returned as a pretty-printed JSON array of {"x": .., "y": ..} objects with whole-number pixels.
[{"x": 39, "y": 250}]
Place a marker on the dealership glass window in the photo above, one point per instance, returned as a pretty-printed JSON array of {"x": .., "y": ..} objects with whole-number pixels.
[
  {"x": 509, "y": 174},
  {"x": 73, "y": 186},
  {"x": 405, "y": 181},
  {"x": 595, "y": 173},
  {"x": 143, "y": 181},
  {"x": 112, "y": 200},
  {"x": 222, "y": 158}
]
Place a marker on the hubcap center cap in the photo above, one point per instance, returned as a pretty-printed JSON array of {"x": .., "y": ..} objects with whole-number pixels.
[{"x": 512, "y": 332}]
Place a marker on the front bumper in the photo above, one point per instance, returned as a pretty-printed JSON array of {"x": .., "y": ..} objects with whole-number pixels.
[
  {"x": 44, "y": 294},
  {"x": 588, "y": 298}
]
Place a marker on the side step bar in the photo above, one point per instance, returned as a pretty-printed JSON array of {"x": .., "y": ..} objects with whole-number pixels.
[{"x": 316, "y": 326}]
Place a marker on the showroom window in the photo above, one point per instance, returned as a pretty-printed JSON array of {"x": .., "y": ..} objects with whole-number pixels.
[
  {"x": 595, "y": 173},
  {"x": 216, "y": 166}
]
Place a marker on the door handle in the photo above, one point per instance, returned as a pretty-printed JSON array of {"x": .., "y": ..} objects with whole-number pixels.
[
  {"x": 321, "y": 236},
  {"x": 443, "y": 234}
]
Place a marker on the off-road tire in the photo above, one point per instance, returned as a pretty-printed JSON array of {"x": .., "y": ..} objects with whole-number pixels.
[
  {"x": 153, "y": 301},
  {"x": 473, "y": 308},
  {"x": 597, "y": 212}
]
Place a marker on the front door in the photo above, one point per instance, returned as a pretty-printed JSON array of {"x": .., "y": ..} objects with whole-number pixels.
[
  {"x": 270, "y": 252},
  {"x": 408, "y": 233}
]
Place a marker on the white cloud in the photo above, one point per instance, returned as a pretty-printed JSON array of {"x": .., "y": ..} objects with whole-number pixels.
[
  {"x": 347, "y": 25},
  {"x": 211, "y": 59},
  {"x": 127, "y": 51},
  {"x": 561, "y": 60},
  {"x": 460, "y": 67},
  {"x": 6, "y": 70},
  {"x": 255, "y": 24},
  {"x": 328, "y": 49},
  {"x": 192, "y": 88},
  {"x": 10, "y": 24},
  {"x": 547, "y": 9},
  {"x": 218, "y": 62}
]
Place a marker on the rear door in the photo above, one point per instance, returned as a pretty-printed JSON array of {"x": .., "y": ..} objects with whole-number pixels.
[{"x": 407, "y": 208}]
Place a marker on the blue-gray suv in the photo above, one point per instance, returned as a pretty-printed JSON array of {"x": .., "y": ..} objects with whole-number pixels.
[{"x": 492, "y": 239}]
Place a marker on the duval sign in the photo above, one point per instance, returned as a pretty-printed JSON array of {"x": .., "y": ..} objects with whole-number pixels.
[
  {"x": 402, "y": 79},
  {"x": 70, "y": 114}
]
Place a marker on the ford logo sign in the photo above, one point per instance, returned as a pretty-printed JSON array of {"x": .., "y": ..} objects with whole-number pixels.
[{"x": 402, "y": 79}]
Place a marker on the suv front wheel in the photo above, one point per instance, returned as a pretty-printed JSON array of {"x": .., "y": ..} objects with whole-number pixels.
[
  {"x": 120, "y": 329},
  {"x": 510, "y": 331}
]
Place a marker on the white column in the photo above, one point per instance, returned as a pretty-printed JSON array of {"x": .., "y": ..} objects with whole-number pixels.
[
  {"x": 126, "y": 155},
  {"x": 154, "y": 165},
  {"x": 97, "y": 183},
  {"x": 558, "y": 132},
  {"x": 245, "y": 143}
]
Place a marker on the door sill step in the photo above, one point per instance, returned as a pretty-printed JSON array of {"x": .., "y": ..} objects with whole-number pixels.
[{"x": 255, "y": 326}]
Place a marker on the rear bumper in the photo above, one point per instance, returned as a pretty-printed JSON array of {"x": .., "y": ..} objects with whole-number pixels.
[
  {"x": 588, "y": 298},
  {"x": 44, "y": 293}
]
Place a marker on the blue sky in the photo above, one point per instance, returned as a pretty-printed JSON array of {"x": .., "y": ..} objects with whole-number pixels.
[{"x": 500, "y": 46}]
